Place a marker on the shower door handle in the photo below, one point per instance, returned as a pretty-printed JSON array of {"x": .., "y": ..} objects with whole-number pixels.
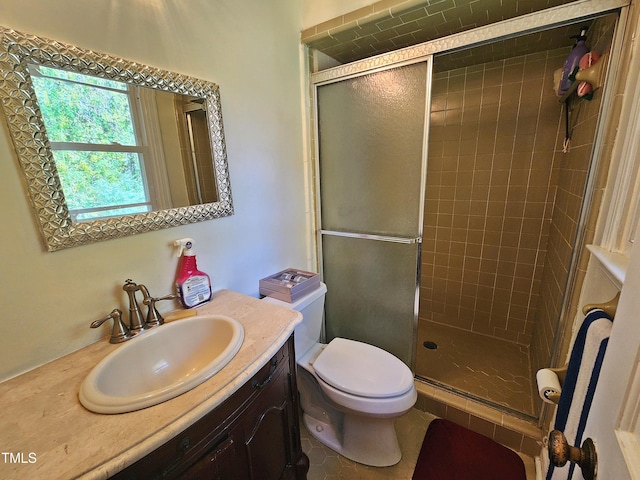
[{"x": 560, "y": 452}]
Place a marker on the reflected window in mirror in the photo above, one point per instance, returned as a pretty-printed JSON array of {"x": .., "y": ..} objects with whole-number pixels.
[
  {"x": 100, "y": 130},
  {"x": 109, "y": 147},
  {"x": 97, "y": 145}
]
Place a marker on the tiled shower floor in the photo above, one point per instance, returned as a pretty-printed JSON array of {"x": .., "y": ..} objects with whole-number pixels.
[{"x": 482, "y": 366}]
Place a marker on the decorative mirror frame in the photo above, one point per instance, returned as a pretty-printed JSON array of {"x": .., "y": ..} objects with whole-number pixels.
[{"x": 32, "y": 146}]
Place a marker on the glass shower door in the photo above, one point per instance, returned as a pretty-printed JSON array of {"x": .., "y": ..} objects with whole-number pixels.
[{"x": 371, "y": 145}]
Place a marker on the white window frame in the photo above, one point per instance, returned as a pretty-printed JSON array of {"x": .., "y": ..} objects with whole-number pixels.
[
  {"x": 621, "y": 214},
  {"x": 622, "y": 204}
]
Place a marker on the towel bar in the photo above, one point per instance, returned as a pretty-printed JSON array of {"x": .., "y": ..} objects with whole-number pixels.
[{"x": 608, "y": 307}]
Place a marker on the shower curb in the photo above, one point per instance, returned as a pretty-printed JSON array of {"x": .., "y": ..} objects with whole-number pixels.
[{"x": 518, "y": 434}]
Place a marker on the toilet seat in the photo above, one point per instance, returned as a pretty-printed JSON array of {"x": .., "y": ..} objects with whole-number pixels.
[{"x": 361, "y": 369}]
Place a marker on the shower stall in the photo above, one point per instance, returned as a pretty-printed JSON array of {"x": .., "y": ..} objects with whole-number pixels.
[{"x": 448, "y": 212}]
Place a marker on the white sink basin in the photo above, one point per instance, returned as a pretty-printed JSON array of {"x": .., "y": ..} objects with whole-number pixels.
[{"x": 161, "y": 364}]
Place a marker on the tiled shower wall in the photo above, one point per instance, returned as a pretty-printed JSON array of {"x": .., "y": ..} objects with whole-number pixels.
[
  {"x": 573, "y": 176},
  {"x": 491, "y": 184}
]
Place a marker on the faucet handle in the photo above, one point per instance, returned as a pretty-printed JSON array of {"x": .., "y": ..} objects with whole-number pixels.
[
  {"x": 153, "y": 316},
  {"x": 120, "y": 332}
]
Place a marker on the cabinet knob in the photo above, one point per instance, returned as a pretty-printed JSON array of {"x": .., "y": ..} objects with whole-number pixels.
[{"x": 560, "y": 452}]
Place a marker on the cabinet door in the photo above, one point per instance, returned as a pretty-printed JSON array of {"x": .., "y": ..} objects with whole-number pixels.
[
  {"x": 267, "y": 450},
  {"x": 268, "y": 429}
]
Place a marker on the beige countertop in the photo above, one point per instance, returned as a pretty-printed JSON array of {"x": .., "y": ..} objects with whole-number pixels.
[{"x": 45, "y": 433}]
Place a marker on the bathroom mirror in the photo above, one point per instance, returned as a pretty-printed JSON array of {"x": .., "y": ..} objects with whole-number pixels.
[{"x": 109, "y": 147}]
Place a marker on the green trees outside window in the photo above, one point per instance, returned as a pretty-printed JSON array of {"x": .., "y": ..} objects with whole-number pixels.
[{"x": 90, "y": 125}]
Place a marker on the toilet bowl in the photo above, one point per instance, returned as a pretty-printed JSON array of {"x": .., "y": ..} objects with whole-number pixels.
[{"x": 350, "y": 392}]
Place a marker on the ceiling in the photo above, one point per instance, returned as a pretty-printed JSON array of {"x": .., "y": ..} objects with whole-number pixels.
[{"x": 433, "y": 19}]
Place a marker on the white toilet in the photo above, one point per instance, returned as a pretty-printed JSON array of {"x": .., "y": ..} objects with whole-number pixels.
[{"x": 350, "y": 392}]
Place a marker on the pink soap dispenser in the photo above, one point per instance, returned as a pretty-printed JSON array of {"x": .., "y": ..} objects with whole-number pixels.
[{"x": 194, "y": 286}]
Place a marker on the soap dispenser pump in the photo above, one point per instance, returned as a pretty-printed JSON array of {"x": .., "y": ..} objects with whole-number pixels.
[{"x": 193, "y": 285}]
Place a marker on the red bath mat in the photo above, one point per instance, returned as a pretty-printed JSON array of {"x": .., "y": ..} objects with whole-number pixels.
[{"x": 452, "y": 452}]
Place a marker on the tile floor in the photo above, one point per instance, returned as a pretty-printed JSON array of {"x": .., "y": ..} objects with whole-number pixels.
[
  {"x": 483, "y": 366},
  {"x": 325, "y": 464}
]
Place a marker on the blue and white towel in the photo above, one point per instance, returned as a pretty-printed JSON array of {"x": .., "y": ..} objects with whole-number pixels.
[{"x": 580, "y": 384}]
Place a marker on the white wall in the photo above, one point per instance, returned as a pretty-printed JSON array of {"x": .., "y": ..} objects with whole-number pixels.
[
  {"x": 318, "y": 11},
  {"x": 251, "y": 49}
]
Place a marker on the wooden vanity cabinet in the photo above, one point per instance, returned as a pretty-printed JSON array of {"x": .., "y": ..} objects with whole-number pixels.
[{"x": 253, "y": 435}]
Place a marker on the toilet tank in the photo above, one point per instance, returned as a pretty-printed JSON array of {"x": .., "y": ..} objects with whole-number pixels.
[{"x": 311, "y": 306}]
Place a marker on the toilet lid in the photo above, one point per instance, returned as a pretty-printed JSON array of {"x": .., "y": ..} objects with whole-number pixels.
[{"x": 362, "y": 369}]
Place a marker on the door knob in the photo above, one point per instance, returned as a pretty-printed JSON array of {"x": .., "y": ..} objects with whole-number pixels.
[{"x": 560, "y": 452}]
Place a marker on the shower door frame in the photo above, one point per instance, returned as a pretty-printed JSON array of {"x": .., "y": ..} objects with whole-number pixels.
[
  {"x": 428, "y": 59},
  {"x": 572, "y": 13}
]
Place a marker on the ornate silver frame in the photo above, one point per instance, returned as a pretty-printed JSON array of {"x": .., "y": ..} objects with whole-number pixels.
[{"x": 34, "y": 152}]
